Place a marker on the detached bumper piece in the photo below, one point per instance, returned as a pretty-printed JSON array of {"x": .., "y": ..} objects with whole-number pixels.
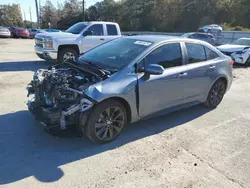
[{"x": 55, "y": 120}]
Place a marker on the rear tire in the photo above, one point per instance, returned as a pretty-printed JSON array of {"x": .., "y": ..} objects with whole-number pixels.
[
  {"x": 248, "y": 62},
  {"x": 66, "y": 53},
  {"x": 106, "y": 122},
  {"x": 216, "y": 94}
]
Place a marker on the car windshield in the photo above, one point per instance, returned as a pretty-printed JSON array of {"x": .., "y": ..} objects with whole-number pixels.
[
  {"x": 116, "y": 54},
  {"x": 77, "y": 28},
  {"x": 244, "y": 42}
]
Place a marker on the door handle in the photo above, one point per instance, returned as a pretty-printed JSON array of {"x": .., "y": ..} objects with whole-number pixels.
[
  {"x": 212, "y": 67},
  {"x": 102, "y": 39},
  {"x": 183, "y": 74}
]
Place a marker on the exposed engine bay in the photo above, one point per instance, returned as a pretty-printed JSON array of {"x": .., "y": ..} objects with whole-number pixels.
[{"x": 56, "y": 95}]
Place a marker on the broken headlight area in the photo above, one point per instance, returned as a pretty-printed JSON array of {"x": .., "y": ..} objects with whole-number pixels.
[{"x": 56, "y": 96}]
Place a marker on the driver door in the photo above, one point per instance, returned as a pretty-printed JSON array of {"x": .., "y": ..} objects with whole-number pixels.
[
  {"x": 91, "y": 41},
  {"x": 158, "y": 92}
]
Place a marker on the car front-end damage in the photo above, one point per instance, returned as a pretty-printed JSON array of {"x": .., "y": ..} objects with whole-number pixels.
[{"x": 56, "y": 96}]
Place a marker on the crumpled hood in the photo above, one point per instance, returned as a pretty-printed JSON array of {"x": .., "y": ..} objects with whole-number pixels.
[
  {"x": 231, "y": 48},
  {"x": 56, "y": 35}
]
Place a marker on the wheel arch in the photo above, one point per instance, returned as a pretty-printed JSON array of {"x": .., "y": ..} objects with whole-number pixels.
[
  {"x": 124, "y": 102},
  {"x": 223, "y": 78},
  {"x": 73, "y": 46}
]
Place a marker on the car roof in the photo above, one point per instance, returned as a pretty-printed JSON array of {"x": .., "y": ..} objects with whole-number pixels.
[
  {"x": 158, "y": 39},
  {"x": 98, "y": 22},
  {"x": 202, "y": 33},
  {"x": 244, "y": 38},
  {"x": 153, "y": 38}
]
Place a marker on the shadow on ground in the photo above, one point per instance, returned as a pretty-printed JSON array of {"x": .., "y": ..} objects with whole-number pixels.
[
  {"x": 236, "y": 66},
  {"x": 23, "y": 65},
  {"x": 26, "y": 150}
]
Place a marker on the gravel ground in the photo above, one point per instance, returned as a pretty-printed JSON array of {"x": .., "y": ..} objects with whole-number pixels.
[{"x": 187, "y": 149}]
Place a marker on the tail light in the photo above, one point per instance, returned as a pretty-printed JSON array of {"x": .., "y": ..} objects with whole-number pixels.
[{"x": 231, "y": 62}]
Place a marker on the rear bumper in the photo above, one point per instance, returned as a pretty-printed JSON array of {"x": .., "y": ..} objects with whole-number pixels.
[
  {"x": 46, "y": 54},
  {"x": 23, "y": 35},
  {"x": 5, "y": 34}
]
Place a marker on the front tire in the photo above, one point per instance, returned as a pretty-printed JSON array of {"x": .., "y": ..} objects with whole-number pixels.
[
  {"x": 216, "y": 94},
  {"x": 106, "y": 122},
  {"x": 66, "y": 53}
]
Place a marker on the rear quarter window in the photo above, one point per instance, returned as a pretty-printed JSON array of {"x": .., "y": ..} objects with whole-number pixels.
[
  {"x": 196, "y": 53},
  {"x": 210, "y": 54},
  {"x": 112, "y": 30}
]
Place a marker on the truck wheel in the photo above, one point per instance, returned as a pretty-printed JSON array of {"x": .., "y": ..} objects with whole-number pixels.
[
  {"x": 216, "y": 94},
  {"x": 106, "y": 122},
  {"x": 66, "y": 53}
]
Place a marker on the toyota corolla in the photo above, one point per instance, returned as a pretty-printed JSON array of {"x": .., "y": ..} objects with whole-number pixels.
[{"x": 126, "y": 80}]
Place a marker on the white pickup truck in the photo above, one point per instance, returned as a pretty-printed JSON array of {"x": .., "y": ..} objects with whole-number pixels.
[{"x": 79, "y": 38}]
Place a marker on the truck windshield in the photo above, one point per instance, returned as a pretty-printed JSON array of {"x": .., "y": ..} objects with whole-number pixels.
[
  {"x": 116, "y": 54},
  {"x": 77, "y": 28}
]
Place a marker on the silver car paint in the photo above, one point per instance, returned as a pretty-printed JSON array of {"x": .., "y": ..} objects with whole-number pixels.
[{"x": 170, "y": 89}]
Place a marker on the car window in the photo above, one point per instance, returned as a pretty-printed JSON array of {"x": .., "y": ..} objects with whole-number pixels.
[
  {"x": 201, "y": 36},
  {"x": 167, "y": 56},
  {"x": 111, "y": 29},
  {"x": 196, "y": 53},
  {"x": 116, "y": 53},
  {"x": 77, "y": 28},
  {"x": 210, "y": 54},
  {"x": 97, "y": 29}
]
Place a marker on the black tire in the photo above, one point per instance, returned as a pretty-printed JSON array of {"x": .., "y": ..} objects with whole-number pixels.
[
  {"x": 248, "y": 62},
  {"x": 99, "y": 124},
  {"x": 216, "y": 94},
  {"x": 64, "y": 51}
]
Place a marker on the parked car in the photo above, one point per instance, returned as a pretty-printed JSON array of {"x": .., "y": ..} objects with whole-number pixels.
[
  {"x": 4, "y": 32},
  {"x": 19, "y": 32},
  {"x": 128, "y": 79},
  {"x": 213, "y": 28},
  {"x": 237, "y": 46},
  {"x": 79, "y": 38},
  {"x": 33, "y": 32},
  {"x": 207, "y": 37},
  {"x": 242, "y": 57}
]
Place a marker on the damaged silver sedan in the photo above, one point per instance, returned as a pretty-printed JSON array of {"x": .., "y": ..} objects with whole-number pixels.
[{"x": 126, "y": 80}]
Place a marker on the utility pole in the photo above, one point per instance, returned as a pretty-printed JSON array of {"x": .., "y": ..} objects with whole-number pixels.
[
  {"x": 37, "y": 14},
  {"x": 24, "y": 16},
  {"x": 30, "y": 18},
  {"x": 83, "y": 10},
  {"x": 30, "y": 14}
]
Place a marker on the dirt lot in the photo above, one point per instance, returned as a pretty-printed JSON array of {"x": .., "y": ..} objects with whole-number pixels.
[{"x": 190, "y": 148}]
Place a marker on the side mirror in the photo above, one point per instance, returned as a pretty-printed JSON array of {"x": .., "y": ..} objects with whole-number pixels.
[
  {"x": 88, "y": 33},
  {"x": 153, "y": 69}
]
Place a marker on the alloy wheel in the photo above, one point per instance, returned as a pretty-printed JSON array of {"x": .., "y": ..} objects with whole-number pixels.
[
  {"x": 68, "y": 55},
  {"x": 217, "y": 93},
  {"x": 110, "y": 123}
]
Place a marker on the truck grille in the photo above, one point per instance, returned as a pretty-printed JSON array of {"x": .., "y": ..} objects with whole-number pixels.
[{"x": 39, "y": 45}]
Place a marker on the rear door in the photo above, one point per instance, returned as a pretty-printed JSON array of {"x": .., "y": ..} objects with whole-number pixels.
[
  {"x": 157, "y": 92},
  {"x": 111, "y": 32},
  {"x": 201, "y": 67},
  {"x": 94, "y": 40}
]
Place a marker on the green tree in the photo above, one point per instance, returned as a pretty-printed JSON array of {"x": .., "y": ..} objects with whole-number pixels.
[{"x": 10, "y": 15}]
